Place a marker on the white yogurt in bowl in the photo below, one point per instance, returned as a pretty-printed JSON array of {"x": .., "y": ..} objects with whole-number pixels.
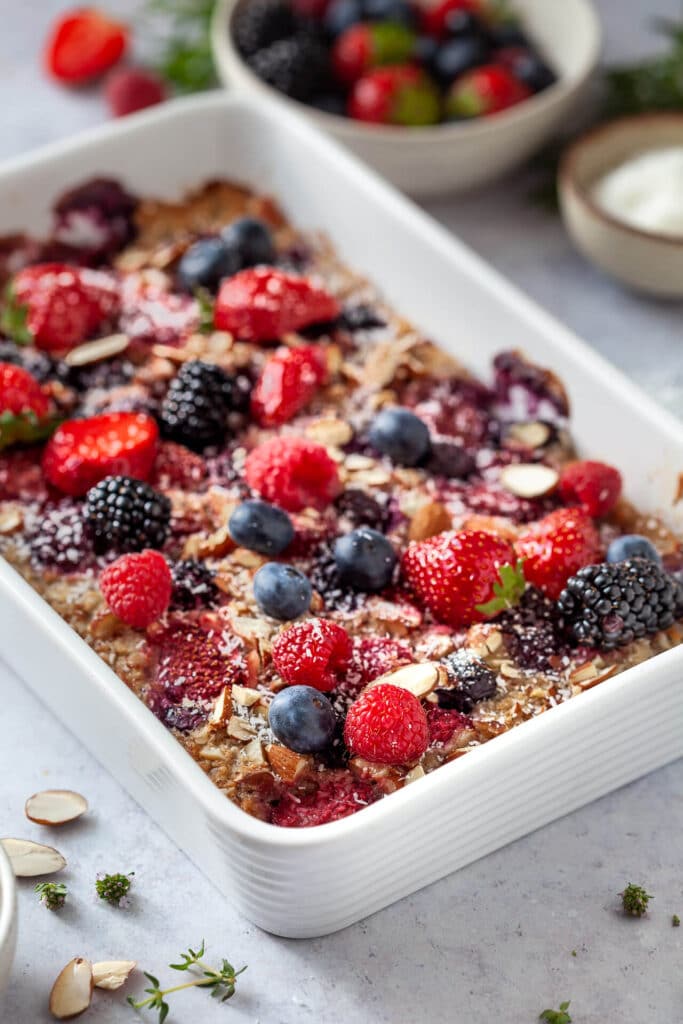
[{"x": 646, "y": 191}]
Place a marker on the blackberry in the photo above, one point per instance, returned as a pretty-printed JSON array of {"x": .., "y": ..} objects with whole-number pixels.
[
  {"x": 193, "y": 586},
  {"x": 58, "y": 539},
  {"x": 609, "y": 605},
  {"x": 361, "y": 509},
  {"x": 105, "y": 375},
  {"x": 531, "y": 631},
  {"x": 360, "y": 318},
  {"x": 124, "y": 514},
  {"x": 196, "y": 407},
  {"x": 472, "y": 681},
  {"x": 297, "y": 67},
  {"x": 450, "y": 460},
  {"x": 260, "y": 23}
]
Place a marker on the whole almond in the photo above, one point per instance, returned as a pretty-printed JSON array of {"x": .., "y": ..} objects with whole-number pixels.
[{"x": 429, "y": 520}]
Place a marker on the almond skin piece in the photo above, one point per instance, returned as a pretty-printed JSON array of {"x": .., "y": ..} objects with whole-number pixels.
[
  {"x": 429, "y": 520},
  {"x": 55, "y": 807},
  {"x": 72, "y": 991}
]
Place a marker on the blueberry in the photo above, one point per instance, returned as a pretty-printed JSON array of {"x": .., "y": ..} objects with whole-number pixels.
[
  {"x": 532, "y": 70},
  {"x": 401, "y": 435},
  {"x": 342, "y": 14},
  {"x": 302, "y": 719},
  {"x": 205, "y": 263},
  {"x": 261, "y": 527},
  {"x": 508, "y": 33},
  {"x": 281, "y": 591},
  {"x": 249, "y": 241},
  {"x": 632, "y": 545},
  {"x": 463, "y": 23},
  {"x": 397, "y": 11},
  {"x": 424, "y": 50},
  {"x": 365, "y": 559},
  {"x": 458, "y": 55}
]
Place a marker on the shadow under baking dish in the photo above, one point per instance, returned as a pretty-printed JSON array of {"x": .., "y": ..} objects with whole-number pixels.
[{"x": 313, "y": 881}]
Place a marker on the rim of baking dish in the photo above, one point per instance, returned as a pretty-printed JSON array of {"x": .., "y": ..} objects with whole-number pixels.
[{"x": 164, "y": 743}]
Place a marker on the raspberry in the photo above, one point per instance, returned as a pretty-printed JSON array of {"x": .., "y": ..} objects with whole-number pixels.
[
  {"x": 556, "y": 547},
  {"x": 288, "y": 382},
  {"x": 137, "y": 587},
  {"x": 312, "y": 653},
  {"x": 453, "y": 574},
  {"x": 388, "y": 725},
  {"x": 177, "y": 466},
  {"x": 131, "y": 89},
  {"x": 195, "y": 665},
  {"x": 593, "y": 486},
  {"x": 292, "y": 472},
  {"x": 56, "y": 306},
  {"x": 444, "y": 723},
  {"x": 263, "y": 304},
  {"x": 336, "y": 797},
  {"x": 374, "y": 656},
  {"x": 80, "y": 453},
  {"x": 152, "y": 313}
]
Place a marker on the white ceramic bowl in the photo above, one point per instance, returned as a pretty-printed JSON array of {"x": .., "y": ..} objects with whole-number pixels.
[
  {"x": 643, "y": 260},
  {"x": 453, "y": 157},
  {"x": 8, "y": 918}
]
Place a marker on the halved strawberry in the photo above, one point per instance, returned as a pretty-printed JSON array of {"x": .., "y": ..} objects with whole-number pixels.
[
  {"x": 288, "y": 382},
  {"x": 55, "y": 306},
  {"x": 262, "y": 304},
  {"x": 556, "y": 547},
  {"x": 82, "y": 452},
  {"x": 485, "y": 90},
  {"x": 463, "y": 577},
  {"x": 83, "y": 44},
  {"x": 24, "y": 407}
]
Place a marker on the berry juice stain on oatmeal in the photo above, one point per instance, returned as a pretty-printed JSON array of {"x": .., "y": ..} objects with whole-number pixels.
[{"x": 326, "y": 557}]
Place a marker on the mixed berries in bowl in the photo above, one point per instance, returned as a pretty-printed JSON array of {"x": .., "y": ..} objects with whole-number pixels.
[{"x": 461, "y": 71}]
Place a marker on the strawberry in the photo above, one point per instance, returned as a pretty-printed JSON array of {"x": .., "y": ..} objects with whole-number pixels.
[
  {"x": 263, "y": 303},
  {"x": 402, "y": 95},
  {"x": 463, "y": 577},
  {"x": 483, "y": 91},
  {"x": 556, "y": 547},
  {"x": 312, "y": 653},
  {"x": 293, "y": 472},
  {"x": 80, "y": 453},
  {"x": 387, "y": 724},
  {"x": 337, "y": 796},
  {"x": 435, "y": 17},
  {"x": 137, "y": 587},
  {"x": 288, "y": 381},
  {"x": 83, "y": 44},
  {"x": 365, "y": 46},
  {"x": 55, "y": 306},
  {"x": 593, "y": 486},
  {"x": 131, "y": 89},
  {"x": 24, "y": 407}
]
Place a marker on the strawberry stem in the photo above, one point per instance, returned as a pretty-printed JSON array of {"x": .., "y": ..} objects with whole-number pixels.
[{"x": 508, "y": 592}]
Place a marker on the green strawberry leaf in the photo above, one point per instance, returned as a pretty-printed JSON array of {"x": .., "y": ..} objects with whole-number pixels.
[
  {"x": 508, "y": 592},
  {"x": 205, "y": 303},
  {"x": 14, "y": 319},
  {"x": 25, "y": 428}
]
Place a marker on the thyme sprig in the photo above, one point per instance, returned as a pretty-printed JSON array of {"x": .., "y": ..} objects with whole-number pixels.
[{"x": 219, "y": 980}]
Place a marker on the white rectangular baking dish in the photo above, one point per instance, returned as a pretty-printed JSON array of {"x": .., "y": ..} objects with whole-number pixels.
[{"x": 313, "y": 881}]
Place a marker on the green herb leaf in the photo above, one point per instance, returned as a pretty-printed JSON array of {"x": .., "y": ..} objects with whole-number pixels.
[
  {"x": 557, "y": 1016},
  {"x": 25, "y": 428},
  {"x": 14, "y": 319},
  {"x": 52, "y": 894},
  {"x": 508, "y": 592},
  {"x": 113, "y": 889},
  {"x": 635, "y": 900}
]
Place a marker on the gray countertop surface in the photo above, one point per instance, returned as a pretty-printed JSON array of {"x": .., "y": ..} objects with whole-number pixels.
[{"x": 494, "y": 942}]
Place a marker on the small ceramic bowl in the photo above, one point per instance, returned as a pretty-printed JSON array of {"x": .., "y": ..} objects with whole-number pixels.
[
  {"x": 8, "y": 918},
  {"x": 644, "y": 260},
  {"x": 448, "y": 158}
]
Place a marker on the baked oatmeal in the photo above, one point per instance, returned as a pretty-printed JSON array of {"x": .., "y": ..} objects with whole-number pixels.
[{"x": 326, "y": 556}]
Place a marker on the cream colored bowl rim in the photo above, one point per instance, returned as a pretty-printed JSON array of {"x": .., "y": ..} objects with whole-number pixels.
[
  {"x": 7, "y": 898},
  {"x": 224, "y": 52},
  {"x": 600, "y": 138}
]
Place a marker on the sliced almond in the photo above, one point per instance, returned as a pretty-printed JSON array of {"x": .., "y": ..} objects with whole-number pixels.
[
  {"x": 532, "y": 435},
  {"x": 414, "y": 774},
  {"x": 94, "y": 351},
  {"x": 55, "y": 806},
  {"x": 112, "y": 974},
  {"x": 330, "y": 430},
  {"x": 420, "y": 678},
  {"x": 72, "y": 991},
  {"x": 29, "y": 859},
  {"x": 11, "y": 519},
  {"x": 253, "y": 752},
  {"x": 240, "y": 730},
  {"x": 529, "y": 479},
  {"x": 222, "y": 709},
  {"x": 245, "y": 696},
  {"x": 287, "y": 763}
]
